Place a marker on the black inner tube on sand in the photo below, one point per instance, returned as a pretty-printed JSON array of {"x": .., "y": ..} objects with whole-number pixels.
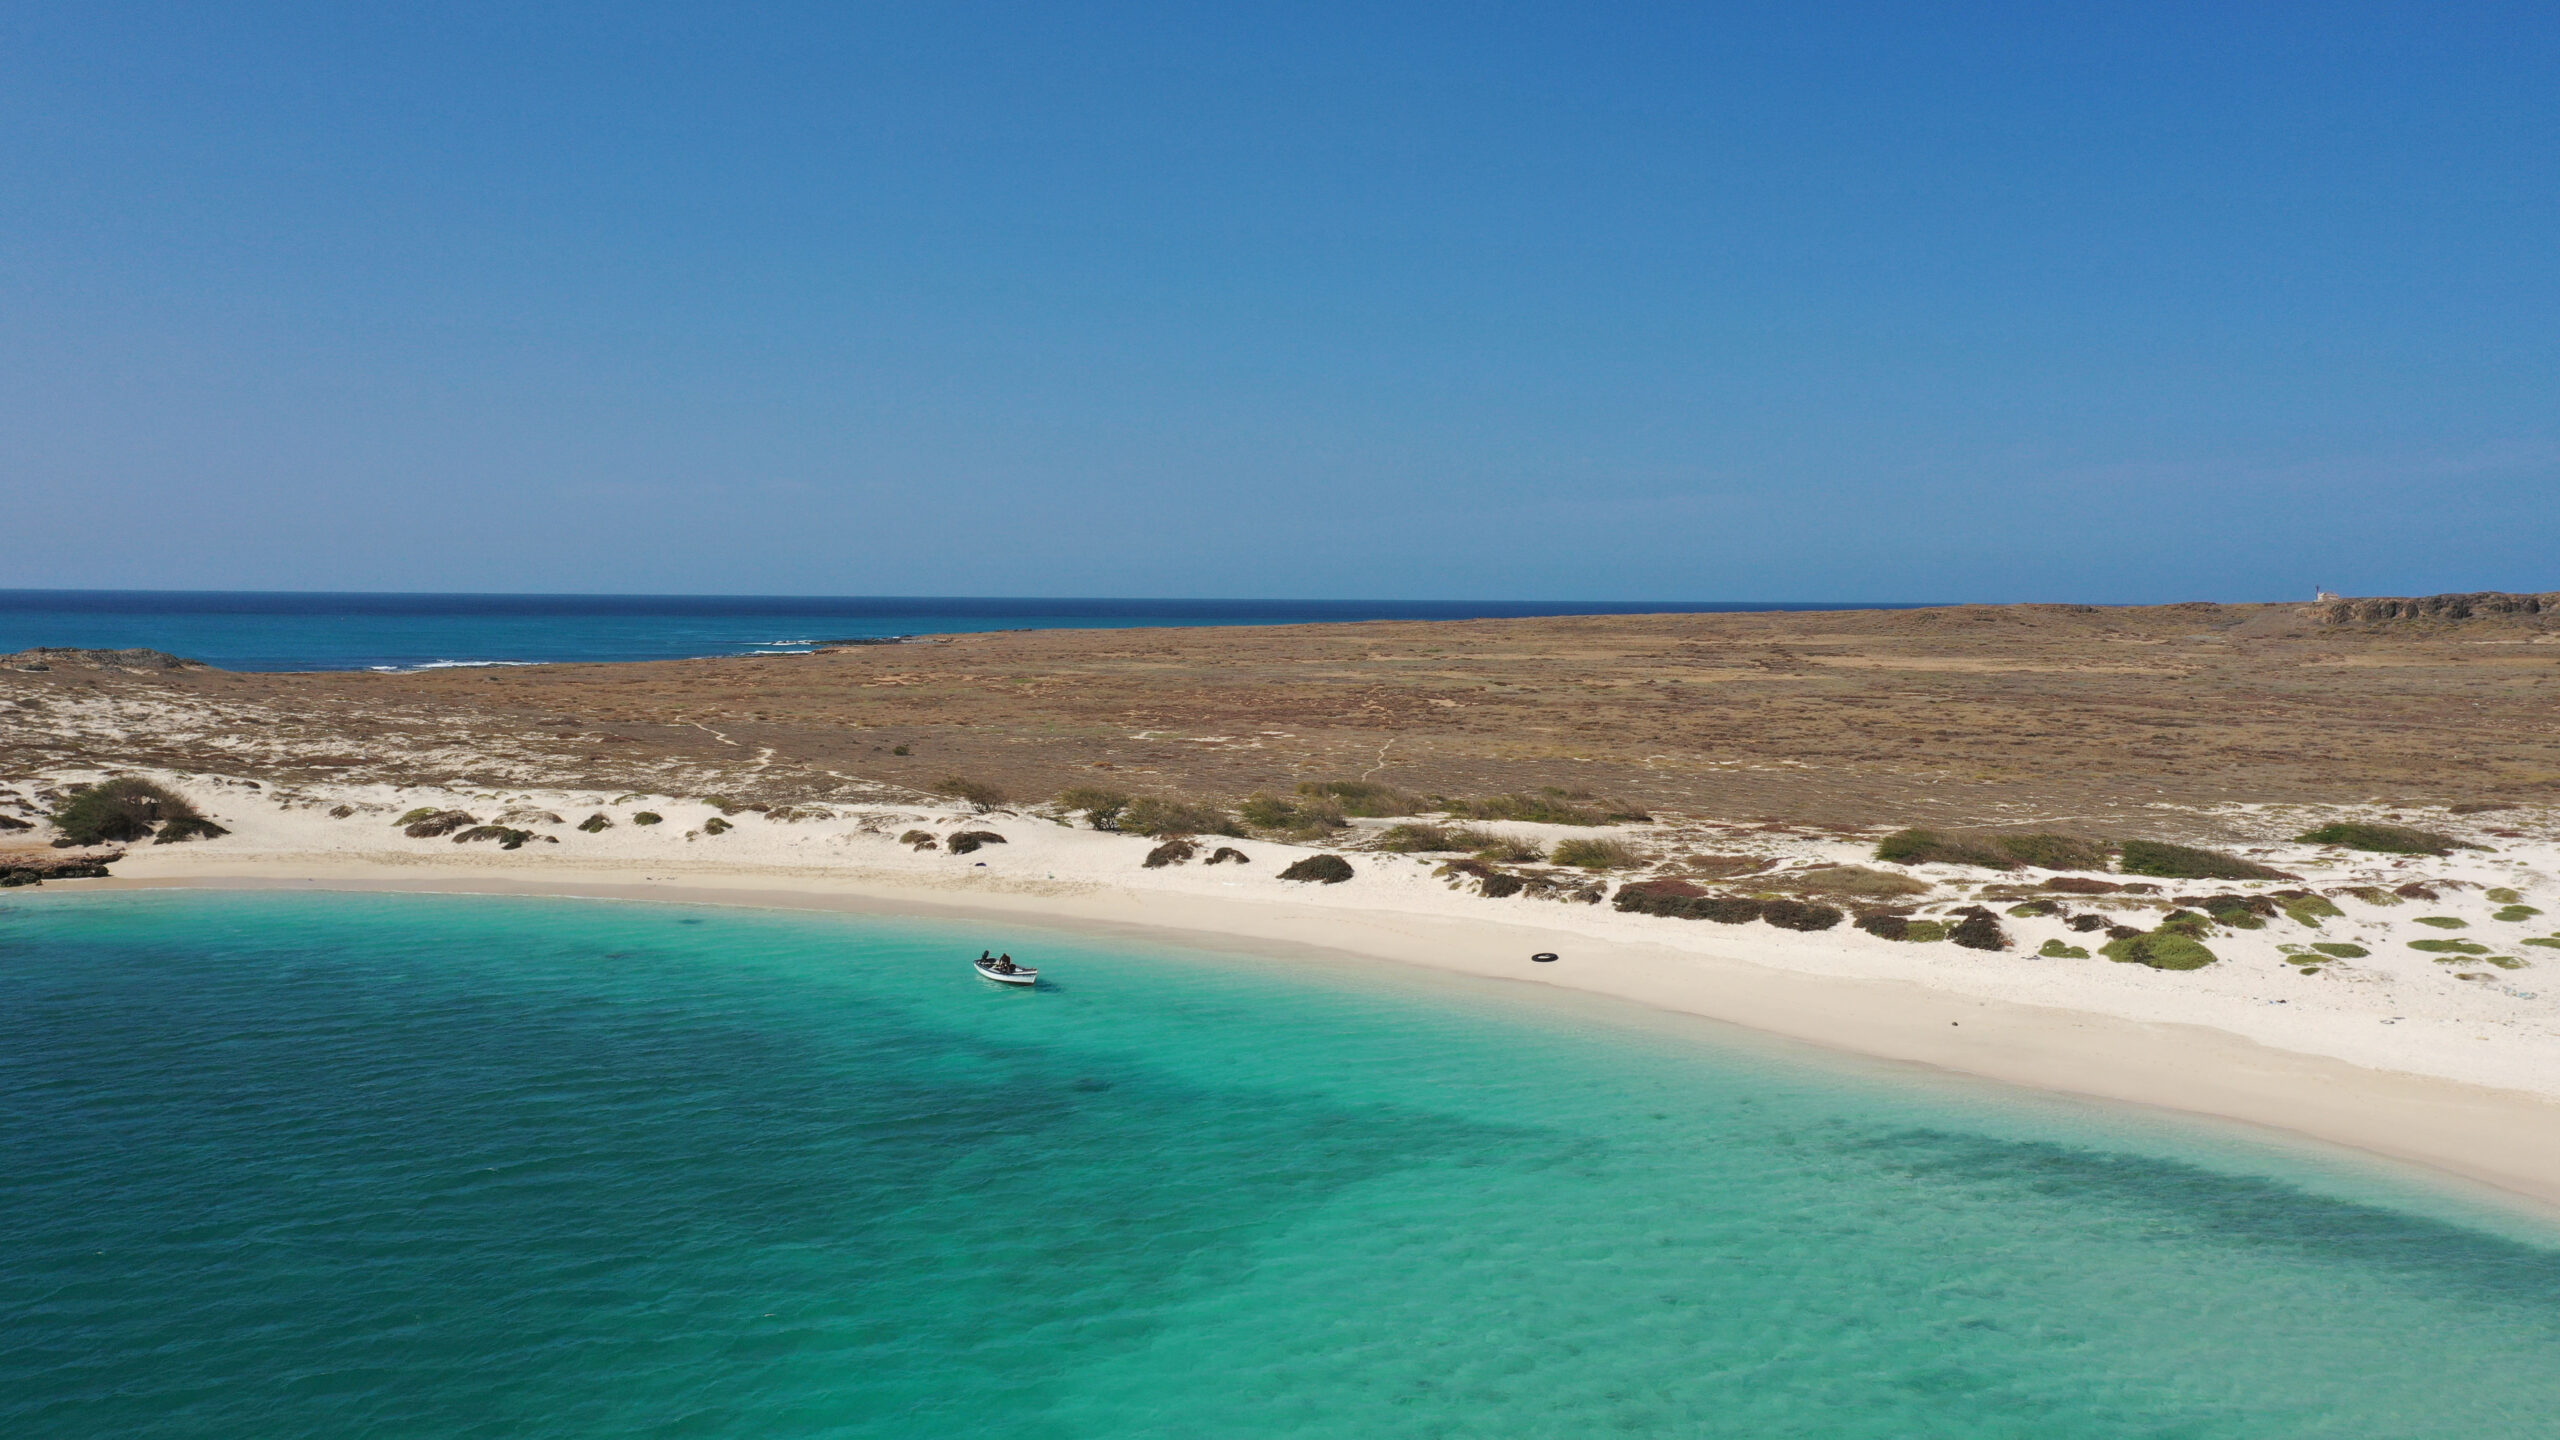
[{"x": 1543, "y": 957}]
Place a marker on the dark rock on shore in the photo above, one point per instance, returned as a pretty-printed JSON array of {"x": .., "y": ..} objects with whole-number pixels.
[{"x": 18, "y": 870}]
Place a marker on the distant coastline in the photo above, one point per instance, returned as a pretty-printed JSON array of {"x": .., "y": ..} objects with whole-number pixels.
[{"x": 293, "y": 630}]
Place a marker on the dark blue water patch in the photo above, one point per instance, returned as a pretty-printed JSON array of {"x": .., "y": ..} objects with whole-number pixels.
[{"x": 279, "y": 630}]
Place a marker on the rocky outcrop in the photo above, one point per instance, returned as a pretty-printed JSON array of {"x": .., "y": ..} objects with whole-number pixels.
[
  {"x": 132, "y": 662},
  {"x": 17, "y": 870},
  {"x": 2481, "y": 605}
]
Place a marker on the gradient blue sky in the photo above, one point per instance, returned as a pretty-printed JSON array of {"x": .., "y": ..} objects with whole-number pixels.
[{"x": 1777, "y": 302}]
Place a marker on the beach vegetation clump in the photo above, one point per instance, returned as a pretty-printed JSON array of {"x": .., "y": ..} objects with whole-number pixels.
[
  {"x": 2340, "y": 949},
  {"x": 1227, "y": 855},
  {"x": 508, "y": 837},
  {"x": 1177, "y": 851},
  {"x": 2057, "y": 950},
  {"x": 2159, "y": 949},
  {"x": 1491, "y": 883},
  {"x": 2055, "y": 852},
  {"x": 920, "y": 840},
  {"x": 1978, "y": 929},
  {"x": 1657, "y": 897},
  {"x": 1800, "y": 914},
  {"x": 1415, "y": 839},
  {"x": 1917, "y": 846},
  {"x": 983, "y": 795},
  {"x": 647, "y": 817},
  {"x": 1849, "y": 882},
  {"x": 1591, "y": 853},
  {"x": 2186, "y": 862},
  {"x": 1100, "y": 807},
  {"x": 2304, "y": 908},
  {"x": 2501, "y": 895},
  {"x": 2512, "y": 914},
  {"x": 2371, "y": 894},
  {"x": 2551, "y": 942},
  {"x": 1320, "y": 870},
  {"x": 717, "y": 826},
  {"x": 1365, "y": 799},
  {"x": 2444, "y": 922},
  {"x": 439, "y": 823},
  {"x": 1294, "y": 817},
  {"x": 121, "y": 810},
  {"x": 2383, "y": 839},
  {"x": 1546, "y": 806},
  {"x": 962, "y": 842},
  {"x": 187, "y": 827},
  {"x": 414, "y": 816},
  {"x": 2450, "y": 947},
  {"x": 1161, "y": 815},
  {"x": 596, "y": 824}
]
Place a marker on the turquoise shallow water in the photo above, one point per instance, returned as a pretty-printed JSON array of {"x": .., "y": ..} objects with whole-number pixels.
[{"x": 394, "y": 1166}]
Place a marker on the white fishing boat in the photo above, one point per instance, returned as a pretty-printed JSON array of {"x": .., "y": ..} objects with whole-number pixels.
[{"x": 1002, "y": 970}]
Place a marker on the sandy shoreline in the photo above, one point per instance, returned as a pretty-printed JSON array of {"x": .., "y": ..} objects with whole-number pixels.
[{"x": 2507, "y": 1139}]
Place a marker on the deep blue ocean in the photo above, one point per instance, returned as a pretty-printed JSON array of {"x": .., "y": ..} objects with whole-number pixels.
[
  {"x": 246, "y": 630},
  {"x": 281, "y": 1166}
]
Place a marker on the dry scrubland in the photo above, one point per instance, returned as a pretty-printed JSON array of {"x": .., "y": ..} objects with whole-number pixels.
[{"x": 2116, "y": 722}]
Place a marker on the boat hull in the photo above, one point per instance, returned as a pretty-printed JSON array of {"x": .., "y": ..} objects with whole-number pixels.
[{"x": 1016, "y": 977}]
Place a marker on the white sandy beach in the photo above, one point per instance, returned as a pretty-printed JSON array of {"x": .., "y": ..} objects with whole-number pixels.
[{"x": 2394, "y": 1054}]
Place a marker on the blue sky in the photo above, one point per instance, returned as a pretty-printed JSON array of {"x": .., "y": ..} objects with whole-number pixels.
[{"x": 1774, "y": 302}]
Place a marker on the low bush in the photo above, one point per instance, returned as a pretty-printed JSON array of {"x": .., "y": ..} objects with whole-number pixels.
[
  {"x": 2055, "y": 852},
  {"x": 647, "y": 817},
  {"x": 508, "y": 837},
  {"x": 1656, "y": 897},
  {"x": 1101, "y": 808},
  {"x": 2339, "y": 949},
  {"x": 1320, "y": 869},
  {"x": 414, "y": 816},
  {"x": 920, "y": 840},
  {"x": 120, "y": 811},
  {"x": 2305, "y": 908},
  {"x": 2371, "y": 894},
  {"x": 965, "y": 841},
  {"x": 2444, "y": 922},
  {"x": 2161, "y": 950},
  {"x": 1363, "y": 798},
  {"x": 1160, "y": 815},
  {"x": 2057, "y": 950},
  {"x": 1591, "y": 853},
  {"x": 1171, "y": 852},
  {"x": 1978, "y": 930},
  {"x": 2385, "y": 839},
  {"x": 985, "y": 795},
  {"x": 717, "y": 826},
  {"x": 597, "y": 823},
  {"x": 439, "y": 823},
  {"x": 1929, "y": 847},
  {"x": 2185, "y": 862},
  {"x": 187, "y": 827},
  {"x": 1799, "y": 914},
  {"x": 1227, "y": 855},
  {"x": 2075, "y": 885},
  {"x": 1434, "y": 839},
  {"x": 1298, "y": 817},
  {"x": 1491, "y": 883},
  {"x": 2450, "y": 947},
  {"x": 1546, "y": 806},
  {"x": 2512, "y": 914}
]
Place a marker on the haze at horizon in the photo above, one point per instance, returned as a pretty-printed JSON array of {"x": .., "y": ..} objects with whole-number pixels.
[{"x": 1718, "y": 303}]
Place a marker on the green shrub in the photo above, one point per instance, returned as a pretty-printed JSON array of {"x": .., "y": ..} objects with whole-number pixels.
[
  {"x": 2056, "y": 950},
  {"x": 187, "y": 827},
  {"x": 2054, "y": 852},
  {"x": 1592, "y": 853},
  {"x": 1928, "y": 847},
  {"x": 900, "y": 750},
  {"x": 2549, "y": 944},
  {"x": 2514, "y": 913},
  {"x": 2385, "y": 839},
  {"x": 119, "y": 811},
  {"x": 983, "y": 794},
  {"x": 2305, "y": 908},
  {"x": 717, "y": 826},
  {"x": 2183, "y": 862},
  {"x": 439, "y": 823},
  {"x": 2504, "y": 896},
  {"x": 2444, "y": 922},
  {"x": 1300, "y": 817},
  {"x": 1547, "y": 806},
  {"x": 414, "y": 816},
  {"x": 1171, "y": 852},
  {"x": 2507, "y": 962},
  {"x": 1363, "y": 798},
  {"x": 2450, "y": 947},
  {"x": 1656, "y": 897},
  {"x": 965, "y": 842},
  {"x": 507, "y": 837},
  {"x": 1978, "y": 930},
  {"x": 2159, "y": 949},
  {"x": 1100, "y": 807},
  {"x": 1160, "y": 815},
  {"x": 1320, "y": 869},
  {"x": 648, "y": 817},
  {"x": 597, "y": 823},
  {"x": 2371, "y": 894},
  {"x": 2340, "y": 949}
]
